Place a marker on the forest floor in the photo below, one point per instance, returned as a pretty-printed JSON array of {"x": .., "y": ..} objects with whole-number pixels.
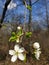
[{"x": 42, "y": 37}]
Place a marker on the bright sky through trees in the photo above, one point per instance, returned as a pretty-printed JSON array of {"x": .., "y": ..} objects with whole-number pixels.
[{"x": 38, "y": 10}]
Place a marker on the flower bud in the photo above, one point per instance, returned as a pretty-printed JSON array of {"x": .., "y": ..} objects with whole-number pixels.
[
  {"x": 17, "y": 40},
  {"x": 36, "y": 45},
  {"x": 18, "y": 27}
]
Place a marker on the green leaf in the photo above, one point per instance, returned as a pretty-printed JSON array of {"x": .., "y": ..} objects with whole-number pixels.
[
  {"x": 19, "y": 33},
  {"x": 13, "y": 34},
  {"x": 33, "y": 56},
  {"x": 28, "y": 34},
  {"x": 12, "y": 38},
  {"x": 25, "y": 58},
  {"x": 29, "y": 7}
]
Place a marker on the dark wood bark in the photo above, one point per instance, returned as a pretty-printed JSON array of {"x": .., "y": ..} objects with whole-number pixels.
[{"x": 4, "y": 11}]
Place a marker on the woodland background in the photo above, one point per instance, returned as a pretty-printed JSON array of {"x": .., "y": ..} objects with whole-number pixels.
[{"x": 35, "y": 20}]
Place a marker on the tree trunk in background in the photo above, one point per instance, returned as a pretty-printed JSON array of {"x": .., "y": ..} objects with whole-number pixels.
[
  {"x": 30, "y": 16},
  {"x": 47, "y": 14},
  {"x": 4, "y": 11}
]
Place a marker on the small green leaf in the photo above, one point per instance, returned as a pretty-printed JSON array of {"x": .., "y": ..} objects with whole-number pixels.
[
  {"x": 12, "y": 38},
  {"x": 13, "y": 34},
  {"x": 19, "y": 33},
  {"x": 29, "y": 7},
  {"x": 28, "y": 34}
]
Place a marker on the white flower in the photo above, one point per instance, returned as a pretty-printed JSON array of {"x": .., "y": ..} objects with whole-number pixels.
[
  {"x": 37, "y": 54},
  {"x": 11, "y": 5},
  {"x": 36, "y": 45},
  {"x": 17, "y": 53},
  {"x": 18, "y": 27}
]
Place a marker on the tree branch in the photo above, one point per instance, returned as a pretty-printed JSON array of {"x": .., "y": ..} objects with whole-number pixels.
[
  {"x": 35, "y": 2},
  {"x": 4, "y": 11}
]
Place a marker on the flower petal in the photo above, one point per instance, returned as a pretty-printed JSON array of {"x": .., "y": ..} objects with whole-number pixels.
[
  {"x": 14, "y": 58},
  {"x": 11, "y": 52},
  {"x": 36, "y": 45},
  {"x": 16, "y": 48},
  {"x": 21, "y": 56},
  {"x": 21, "y": 50},
  {"x": 38, "y": 49},
  {"x": 37, "y": 54}
]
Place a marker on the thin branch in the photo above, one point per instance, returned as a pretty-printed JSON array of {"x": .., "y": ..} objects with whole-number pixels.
[{"x": 35, "y": 2}]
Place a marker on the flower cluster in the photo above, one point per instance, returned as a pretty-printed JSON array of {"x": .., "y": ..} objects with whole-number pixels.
[
  {"x": 17, "y": 36},
  {"x": 37, "y": 51},
  {"x": 20, "y": 52}
]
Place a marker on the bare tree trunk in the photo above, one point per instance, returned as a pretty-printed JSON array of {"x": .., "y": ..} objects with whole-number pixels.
[
  {"x": 47, "y": 14},
  {"x": 30, "y": 16},
  {"x": 4, "y": 11},
  {"x": 30, "y": 13}
]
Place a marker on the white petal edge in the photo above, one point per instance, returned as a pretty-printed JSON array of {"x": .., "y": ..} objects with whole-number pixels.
[
  {"x": 16, "y": 48},
  {"x": 38, "y": 49},
  {"x": 11, "y": 52},
  {"x": 21, "y": 50},
  {"x": 37, "y": 54},
  {"x": 14, "y": 58},
  {"x": 21, "y": 56}
]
